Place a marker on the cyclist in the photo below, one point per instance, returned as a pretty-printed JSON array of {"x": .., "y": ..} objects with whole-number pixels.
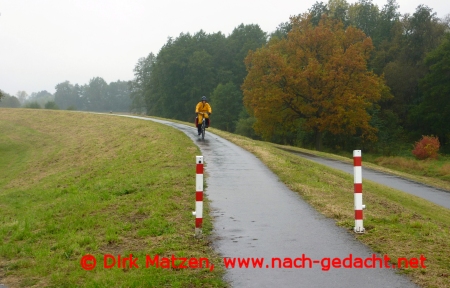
[{"x": 202, "y": 109}]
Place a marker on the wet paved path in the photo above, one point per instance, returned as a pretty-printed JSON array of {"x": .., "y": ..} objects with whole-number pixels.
[
  {"x": 437, "y": 196},
  {"x": 258, "y": 216}
]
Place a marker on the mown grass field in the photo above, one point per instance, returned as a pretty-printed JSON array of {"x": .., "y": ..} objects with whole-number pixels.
[{"x": 74, "y": 183}]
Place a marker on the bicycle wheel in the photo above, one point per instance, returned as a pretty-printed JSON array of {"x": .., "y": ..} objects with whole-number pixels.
[{"x": 203, "y": 129}]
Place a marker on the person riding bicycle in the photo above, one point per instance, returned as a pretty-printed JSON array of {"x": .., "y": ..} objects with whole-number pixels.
[{"x": 203, "y": 109}]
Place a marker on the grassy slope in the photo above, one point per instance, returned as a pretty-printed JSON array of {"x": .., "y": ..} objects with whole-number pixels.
[
  {"x": 74, "y": 183},
  {"x": 431, "y": 172}
]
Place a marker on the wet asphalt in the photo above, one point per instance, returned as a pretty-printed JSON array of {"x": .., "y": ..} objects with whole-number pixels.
[{"x": 255, "y": 215}]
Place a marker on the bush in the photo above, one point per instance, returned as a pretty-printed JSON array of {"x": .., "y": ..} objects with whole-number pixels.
[
  {"x": 51, "y": 105},
  {"x": 244, "y": 127},
  {"x": 427, "y": 147},
  {"x": 33, "y": 105}
]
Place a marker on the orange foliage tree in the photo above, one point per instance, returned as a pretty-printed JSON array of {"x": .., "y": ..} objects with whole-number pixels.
[{"x": 317, "y": 77}]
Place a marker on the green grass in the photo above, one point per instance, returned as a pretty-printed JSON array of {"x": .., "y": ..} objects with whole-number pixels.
[
  {"x": 73, "y": 184},
  {"x": 435, "y": 173}
]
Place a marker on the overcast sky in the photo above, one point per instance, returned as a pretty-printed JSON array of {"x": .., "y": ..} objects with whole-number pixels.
[{"x": 46, "y": 42}]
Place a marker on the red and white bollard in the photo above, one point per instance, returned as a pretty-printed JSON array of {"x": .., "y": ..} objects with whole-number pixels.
[
  {"x": 198, "y": 196},
  {"x": 357, "y": 171}
]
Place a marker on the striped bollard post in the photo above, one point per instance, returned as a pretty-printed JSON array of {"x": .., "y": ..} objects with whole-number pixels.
[
  {"x": 198, "y": 196},
  {"x": 357, "y": 171}
]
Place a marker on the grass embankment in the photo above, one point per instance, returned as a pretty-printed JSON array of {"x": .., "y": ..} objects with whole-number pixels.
[
  {"x": 432, "y": 172},
  {"x": 397, "y": 224},
  {"x": 433, "y": 169},
  {"x": 76, "y": 183}
]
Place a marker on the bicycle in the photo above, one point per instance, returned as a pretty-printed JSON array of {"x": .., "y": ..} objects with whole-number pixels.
[
  {"x": 203, "y": 129},
  {"x": 203, "y": 126}
]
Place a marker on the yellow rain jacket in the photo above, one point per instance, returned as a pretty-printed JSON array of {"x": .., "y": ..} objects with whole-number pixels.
[{"x": 206, "y": 108}]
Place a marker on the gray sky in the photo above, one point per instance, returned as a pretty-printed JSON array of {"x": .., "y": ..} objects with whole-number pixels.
[{"x": 46, "y": 42}]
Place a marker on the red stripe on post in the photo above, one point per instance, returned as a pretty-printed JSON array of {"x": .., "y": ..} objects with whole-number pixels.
[
  {"x": 199, "y": 196},
  {"x": 358, "y": 187},
  {"x": 358, "y": 214},
  {"x": 357, "y": 161},
  {"x": 198, "y": 222},
  {"x": 199, "y": 169}
]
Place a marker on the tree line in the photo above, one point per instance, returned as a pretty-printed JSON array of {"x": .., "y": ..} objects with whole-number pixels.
[
  {"x": 97, "y": 95},
  {"x": 339, "y": 76},
  {"x": 171, "y": 83}
]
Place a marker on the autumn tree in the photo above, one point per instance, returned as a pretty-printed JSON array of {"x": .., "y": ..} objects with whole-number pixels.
[{"x": 316, "y": 78}]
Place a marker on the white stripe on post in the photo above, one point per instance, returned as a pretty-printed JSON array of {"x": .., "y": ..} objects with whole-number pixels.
[
  {"x": 357, "y": 171},
  {"x": 198, "y": 196}
]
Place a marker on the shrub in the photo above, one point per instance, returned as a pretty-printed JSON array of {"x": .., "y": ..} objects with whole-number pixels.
[
  {"x": 51, "y": 105},
  {"x": 33, "y": 105},
  {"x": 427, "y": 147}
]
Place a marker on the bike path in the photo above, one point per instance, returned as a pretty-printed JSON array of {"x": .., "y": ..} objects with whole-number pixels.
[{"x": 255, "y": 215}]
